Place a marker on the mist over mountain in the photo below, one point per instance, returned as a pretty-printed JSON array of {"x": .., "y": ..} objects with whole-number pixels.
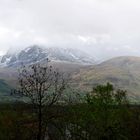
[
  {"x": 86, "y": 72},
  {"x": 35, "y": 53},
  {"x": 123, "y": 72}
]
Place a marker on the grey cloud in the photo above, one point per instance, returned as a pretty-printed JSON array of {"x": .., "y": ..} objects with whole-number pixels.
[{"x": 105, "y": 28}]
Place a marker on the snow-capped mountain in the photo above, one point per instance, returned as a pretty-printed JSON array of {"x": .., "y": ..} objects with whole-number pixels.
[{"x": 36, "y": 53}]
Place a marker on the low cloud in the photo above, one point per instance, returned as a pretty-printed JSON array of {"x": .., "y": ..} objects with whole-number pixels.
[{"x": 104, "y": 28}]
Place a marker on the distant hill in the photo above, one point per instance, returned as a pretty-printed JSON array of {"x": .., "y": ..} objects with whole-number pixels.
[
  {"x": 65, "y": 60},
  {"x": 123, "y": 72}
]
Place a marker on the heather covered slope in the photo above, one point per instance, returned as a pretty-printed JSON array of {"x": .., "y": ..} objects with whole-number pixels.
[{"x": 123, "y": 72}]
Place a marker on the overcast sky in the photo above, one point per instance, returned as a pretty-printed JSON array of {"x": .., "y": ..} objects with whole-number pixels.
[{"x": 105, "y": 28}]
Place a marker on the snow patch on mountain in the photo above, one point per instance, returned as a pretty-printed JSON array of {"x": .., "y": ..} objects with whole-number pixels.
[{"x": 34, "y": 54}]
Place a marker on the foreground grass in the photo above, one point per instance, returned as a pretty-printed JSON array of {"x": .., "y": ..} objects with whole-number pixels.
[{"x": 17, "y": 121}]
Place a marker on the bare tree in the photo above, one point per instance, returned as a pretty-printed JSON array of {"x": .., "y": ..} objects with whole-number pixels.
[{"x": 44, "y": 86}]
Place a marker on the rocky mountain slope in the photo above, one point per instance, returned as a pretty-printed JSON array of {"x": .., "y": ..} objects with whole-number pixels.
[
  {"x": 66, "y": 60},
  {"x": 36, "y": 53},
  {"x": 123, "y": 72}
]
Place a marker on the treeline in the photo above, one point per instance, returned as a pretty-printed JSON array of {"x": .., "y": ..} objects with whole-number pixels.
[
  {"x": 105, "y": 115},
  {"x": 102, "y": 114}
]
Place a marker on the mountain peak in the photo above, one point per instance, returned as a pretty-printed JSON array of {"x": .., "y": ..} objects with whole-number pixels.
[{"x": 35, "y": 53}]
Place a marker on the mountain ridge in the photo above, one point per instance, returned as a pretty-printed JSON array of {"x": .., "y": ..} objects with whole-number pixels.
[
  {"x": 123, "y": 72},
  {"x": 33, "y": 54}
]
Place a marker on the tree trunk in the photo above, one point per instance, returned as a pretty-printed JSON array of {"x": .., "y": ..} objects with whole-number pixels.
[{"x": 39, "y": 136}]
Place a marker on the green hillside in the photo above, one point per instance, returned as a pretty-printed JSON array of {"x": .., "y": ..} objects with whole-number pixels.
[{"x": 4, "y": 88}]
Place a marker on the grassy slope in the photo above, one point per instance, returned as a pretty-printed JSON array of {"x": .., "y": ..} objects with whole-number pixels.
[
  {"x": 123, "y": 72},
  {"x": 4, "y": 88}
]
